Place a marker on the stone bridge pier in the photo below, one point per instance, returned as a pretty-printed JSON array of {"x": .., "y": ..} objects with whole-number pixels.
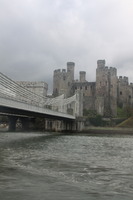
[
  {"x": 59, "y": 125},
  {"x": 24, "y": 121},
  {"x": 68, "y": 126},
  {"x": 23, "y": 124},
  {"x": 62, "y": 125},
  {"x": 73, "y": 126}
]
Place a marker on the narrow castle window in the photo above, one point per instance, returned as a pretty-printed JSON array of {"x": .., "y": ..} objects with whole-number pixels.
[
  {"x": 68, "y": 106},
  {"x": 120, "y": 92},
  {"x": 85, "y": 87}
]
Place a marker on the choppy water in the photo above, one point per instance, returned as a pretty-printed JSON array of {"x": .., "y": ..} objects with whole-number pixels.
[{"x": 48, "y": 166}]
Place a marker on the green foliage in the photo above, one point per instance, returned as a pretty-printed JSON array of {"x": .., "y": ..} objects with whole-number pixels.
[
  {"x": 129, "y": 111},
  {"x": 93, "y": 117},
  {"x": 97, "y": 120},
  {"x": 124, "y": 112},
  {"x": 120, "y": 112},
  {"x": 128, "y": 123},
  {"x": 89, "y": 113}
]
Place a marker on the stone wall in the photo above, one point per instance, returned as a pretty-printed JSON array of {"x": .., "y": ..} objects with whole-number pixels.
[
  {"x": 40, "y": 88},
  {"x": 88, "y": 91}
]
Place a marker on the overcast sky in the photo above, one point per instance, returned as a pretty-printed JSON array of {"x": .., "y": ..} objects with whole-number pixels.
[{"x": 39, "y": 36}]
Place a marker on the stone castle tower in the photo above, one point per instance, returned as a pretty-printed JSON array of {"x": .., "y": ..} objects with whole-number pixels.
[
  {"x": 106, "y": 89},
  {"x": 62, "y": 80},
  {"x": 125, "y": 92},
  {"x": 123, "y": 96}
]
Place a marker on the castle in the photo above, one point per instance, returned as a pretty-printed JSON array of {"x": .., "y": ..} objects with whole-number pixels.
[{"x": 103, "y": 96}]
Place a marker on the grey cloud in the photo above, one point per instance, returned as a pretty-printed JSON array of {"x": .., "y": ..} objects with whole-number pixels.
[{"x": 39, "y": 36}]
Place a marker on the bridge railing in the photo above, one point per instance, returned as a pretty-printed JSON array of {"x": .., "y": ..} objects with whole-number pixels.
[{"x": 10, "y": 89}]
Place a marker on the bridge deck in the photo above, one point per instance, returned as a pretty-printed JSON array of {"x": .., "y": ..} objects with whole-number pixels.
[{"x": 9, "y": 105}]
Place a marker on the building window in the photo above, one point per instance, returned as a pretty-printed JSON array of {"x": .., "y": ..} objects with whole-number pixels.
[
  {"x": 129, "y": 96},
  {"x": 64, "y": 78},
  {"x": 120, "y": 92},
  {"x": 85, "y": 87}
]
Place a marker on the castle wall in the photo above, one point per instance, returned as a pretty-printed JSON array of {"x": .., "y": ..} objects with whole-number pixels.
[
  {"x": 40, "y": 88},
  {"x": 88, "y": 91}
]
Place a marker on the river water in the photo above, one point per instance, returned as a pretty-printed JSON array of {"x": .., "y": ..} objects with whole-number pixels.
[{"x": 49, "y": 166}]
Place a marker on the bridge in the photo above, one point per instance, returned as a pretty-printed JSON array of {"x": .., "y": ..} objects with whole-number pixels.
[{"x": 18, "y": 102}]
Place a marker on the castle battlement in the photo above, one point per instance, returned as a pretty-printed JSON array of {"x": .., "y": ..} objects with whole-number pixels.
[
  {"x": 123, "y": 79},
  {"x": 105, "y": 70},
  {"x": 101, "y": 64},
  {"x": 70, "y": 66},
  {"x": 57, "y": 71},
  {"x": 62, "y": 80},
  {"x": 64, "y": 70},
  {"x": 113, "y": 71}
]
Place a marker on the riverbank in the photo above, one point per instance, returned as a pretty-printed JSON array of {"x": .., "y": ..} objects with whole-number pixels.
[{"x": 108, "y": 130}]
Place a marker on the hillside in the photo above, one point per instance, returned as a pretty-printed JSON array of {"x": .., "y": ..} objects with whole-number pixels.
[{"x": 128, "y": 123}]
